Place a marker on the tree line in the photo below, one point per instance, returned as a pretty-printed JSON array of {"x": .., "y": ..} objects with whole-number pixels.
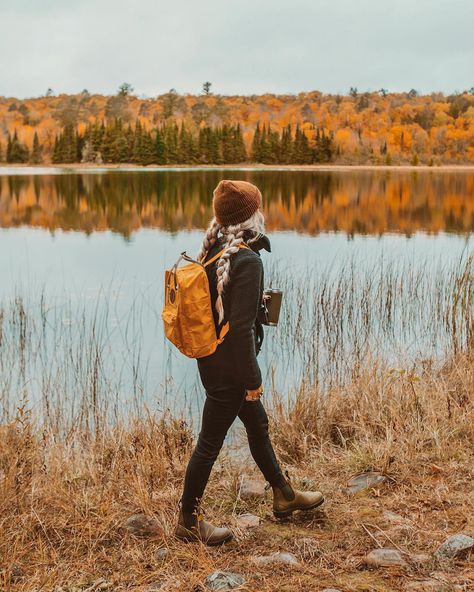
[{"x": 114, "y": 141}]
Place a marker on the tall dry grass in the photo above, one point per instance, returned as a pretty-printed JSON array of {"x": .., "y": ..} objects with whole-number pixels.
[
  {"x": 64, "y": 500},
  {"x": 71, "y": 472}
]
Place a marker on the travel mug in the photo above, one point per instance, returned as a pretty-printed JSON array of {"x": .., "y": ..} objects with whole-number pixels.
[{"x": 272, "y": 303}]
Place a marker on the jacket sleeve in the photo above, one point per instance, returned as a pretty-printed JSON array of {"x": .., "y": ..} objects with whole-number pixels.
[{"x": 246, "y": 280}]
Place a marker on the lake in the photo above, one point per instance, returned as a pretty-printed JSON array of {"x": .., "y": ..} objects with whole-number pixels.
[{"x": 368, "y": 261}]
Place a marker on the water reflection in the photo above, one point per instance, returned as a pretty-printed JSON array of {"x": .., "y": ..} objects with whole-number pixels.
[{"x": 362, "y": 202}]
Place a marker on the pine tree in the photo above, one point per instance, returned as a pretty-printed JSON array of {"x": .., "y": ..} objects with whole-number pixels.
[
  {"x": 240, "y": 153},
  {"x": 286, "y": 146},
  {"x": 274, "y": 146},
  {"x": 256, "y": 145},
  {"x": 36, "y": 156},
  {"x": 17, "y": 152},
  {"x": 9, "y": 149},
  {"x": 160, "y": 148}
]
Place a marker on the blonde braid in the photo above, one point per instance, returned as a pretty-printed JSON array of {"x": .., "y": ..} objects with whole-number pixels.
[
  {"x": 234, "y": 236},
  {"x": 209, "y": 239}
]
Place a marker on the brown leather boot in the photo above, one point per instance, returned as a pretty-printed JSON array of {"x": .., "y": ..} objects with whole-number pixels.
[
  {"x": 286, "y": 499},
  {"x": 193, "y": 528}
]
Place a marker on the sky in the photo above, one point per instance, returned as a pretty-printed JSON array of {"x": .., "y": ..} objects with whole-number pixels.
[{"x": 240, "y": 46}]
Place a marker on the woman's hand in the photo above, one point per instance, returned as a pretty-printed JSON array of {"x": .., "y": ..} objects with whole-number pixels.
[{"x": 255, "y": 394}]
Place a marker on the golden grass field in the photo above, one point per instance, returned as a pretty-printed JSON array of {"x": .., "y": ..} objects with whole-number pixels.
[{"x": 64, "y": 498}]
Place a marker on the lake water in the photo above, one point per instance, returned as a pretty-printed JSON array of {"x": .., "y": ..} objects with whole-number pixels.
[{"x": 85, "y": 251}]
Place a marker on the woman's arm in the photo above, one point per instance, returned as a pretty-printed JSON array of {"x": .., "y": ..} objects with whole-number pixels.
[{"x": 246, "y": 277}]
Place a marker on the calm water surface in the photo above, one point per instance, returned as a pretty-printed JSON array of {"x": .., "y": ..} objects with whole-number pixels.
[{"x": 85, "y": 245}]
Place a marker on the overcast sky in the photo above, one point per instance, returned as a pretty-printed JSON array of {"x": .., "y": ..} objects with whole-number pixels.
[{"x": 241, "y": 46}]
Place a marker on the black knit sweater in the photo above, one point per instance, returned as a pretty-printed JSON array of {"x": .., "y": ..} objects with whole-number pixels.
[{"x": 234, "y": 363}]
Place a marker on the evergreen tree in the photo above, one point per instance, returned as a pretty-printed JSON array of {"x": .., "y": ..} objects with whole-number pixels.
[
  {"x": 274, "y": 146},
  {"x": 302, "y": 152},
  {"x": 286, "y": 146},
  {"x": 264, "y": 147},
  {"x": 239, "y": 146},
  {"x": 17, "y": 152},
  {"x": 36, "y": 156},
  {"x": 67, "y": 146},
  {"x": 160, "y": 148},
  {"x": 9, "y": 149},
  {"x": 256, "y": 145}
]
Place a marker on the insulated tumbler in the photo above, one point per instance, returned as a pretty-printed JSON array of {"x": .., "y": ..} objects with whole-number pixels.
[{"x": 272, "y": 304}]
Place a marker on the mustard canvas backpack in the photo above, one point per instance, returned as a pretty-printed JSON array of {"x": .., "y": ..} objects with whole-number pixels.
[{"x": 187, "y": 311}]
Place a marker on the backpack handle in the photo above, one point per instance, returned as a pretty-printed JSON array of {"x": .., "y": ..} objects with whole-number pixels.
[{"x": 186, "y": 257}]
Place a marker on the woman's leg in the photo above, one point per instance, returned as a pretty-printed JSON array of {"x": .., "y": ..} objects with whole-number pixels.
[
  {"x": 255, "y": 420},
  {"x": 220, "y": 410}
]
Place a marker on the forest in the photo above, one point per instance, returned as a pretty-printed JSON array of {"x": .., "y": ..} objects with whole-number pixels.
[{"x": 307, "y": 128}]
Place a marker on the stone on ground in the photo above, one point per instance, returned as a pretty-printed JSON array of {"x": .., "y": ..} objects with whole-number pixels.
[
  {"x": 161, "y": 554},
  {"x": 245, "y": 521},
  {"x": 385, "y": 558},
  {"x": 140, "y": 525},
  {"x": 280, "y": 557},
  {"x": 457, "y": 546},
  {"x": 224, "y": 580},
  {"x": 364, "y": 481}
]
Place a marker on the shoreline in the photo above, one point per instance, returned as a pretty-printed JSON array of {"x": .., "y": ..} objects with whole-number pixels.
[{"x": 78, "y": 167}]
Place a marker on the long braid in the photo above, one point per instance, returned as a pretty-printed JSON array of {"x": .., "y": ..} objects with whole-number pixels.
[
  {"x": 234, "y": 236},
  {"x": 209, "y": 239}
]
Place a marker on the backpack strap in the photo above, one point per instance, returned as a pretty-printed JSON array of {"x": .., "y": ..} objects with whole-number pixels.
[{"x": 215, "y": 257}]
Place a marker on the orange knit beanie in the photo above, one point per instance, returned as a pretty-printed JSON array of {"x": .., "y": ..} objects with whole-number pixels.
[{"x": 235, "y": 201}]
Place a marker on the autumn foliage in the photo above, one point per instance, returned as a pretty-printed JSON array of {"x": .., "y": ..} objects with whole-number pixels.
[{"x": 364, "y": 128}]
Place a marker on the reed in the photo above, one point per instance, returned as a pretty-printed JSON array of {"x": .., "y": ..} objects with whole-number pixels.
[{"x": 74, "y": 466}]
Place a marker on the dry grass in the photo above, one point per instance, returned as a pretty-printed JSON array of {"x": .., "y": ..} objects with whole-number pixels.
[{"x": 65, "y": 496}]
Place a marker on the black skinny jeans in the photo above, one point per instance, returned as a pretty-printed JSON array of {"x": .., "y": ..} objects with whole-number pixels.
[{"x": 221, "y": 408}]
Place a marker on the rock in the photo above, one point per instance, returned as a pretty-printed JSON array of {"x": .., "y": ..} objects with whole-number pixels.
[
  {"x": 282, "y": 558},
  {"x": 385, "y": 558},
  {"x": 140, "y": 525},
  {"x": 161, "y": 553},
  {"x": 457, "y": 546},
  {"x": 419, "y": 558},
  {"x": 224, "y": 580},
  {"x": 364, "y": 481},
  {"x": 245, "y": 521},
  {"x": 251, "y": 488}
]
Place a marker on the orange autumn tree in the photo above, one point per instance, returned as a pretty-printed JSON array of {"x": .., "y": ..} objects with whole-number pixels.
[{"x": 365, "y": 128}]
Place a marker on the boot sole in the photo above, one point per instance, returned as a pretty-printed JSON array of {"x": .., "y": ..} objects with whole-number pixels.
[{"x": 286, "y": 513}]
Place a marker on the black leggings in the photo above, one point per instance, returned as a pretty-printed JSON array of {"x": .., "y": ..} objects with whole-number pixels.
[{"x": 221, "y": 408}]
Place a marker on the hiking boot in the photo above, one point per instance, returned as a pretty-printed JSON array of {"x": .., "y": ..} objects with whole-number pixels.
[
  {"x": 193, "y": 528},
  {"x": 286, "y": 499}
]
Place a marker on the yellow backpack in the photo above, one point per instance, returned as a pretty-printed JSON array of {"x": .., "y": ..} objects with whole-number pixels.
[{"x": 187, "y": 311}]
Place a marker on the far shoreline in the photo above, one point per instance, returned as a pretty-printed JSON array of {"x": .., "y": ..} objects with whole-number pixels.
[{"x": 78, "y": 167}]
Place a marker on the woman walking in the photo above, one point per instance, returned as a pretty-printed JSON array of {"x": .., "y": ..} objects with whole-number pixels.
[{"x": 231, "y": 376}]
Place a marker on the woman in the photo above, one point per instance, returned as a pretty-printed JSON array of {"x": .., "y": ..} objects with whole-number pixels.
[{"x": 231, "y": 376}]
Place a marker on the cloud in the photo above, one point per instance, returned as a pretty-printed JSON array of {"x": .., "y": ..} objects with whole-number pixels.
[{"x": 241, "y": 46}]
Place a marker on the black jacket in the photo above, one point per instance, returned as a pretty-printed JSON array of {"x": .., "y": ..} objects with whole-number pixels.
[{"x": 234, "y": 363}]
